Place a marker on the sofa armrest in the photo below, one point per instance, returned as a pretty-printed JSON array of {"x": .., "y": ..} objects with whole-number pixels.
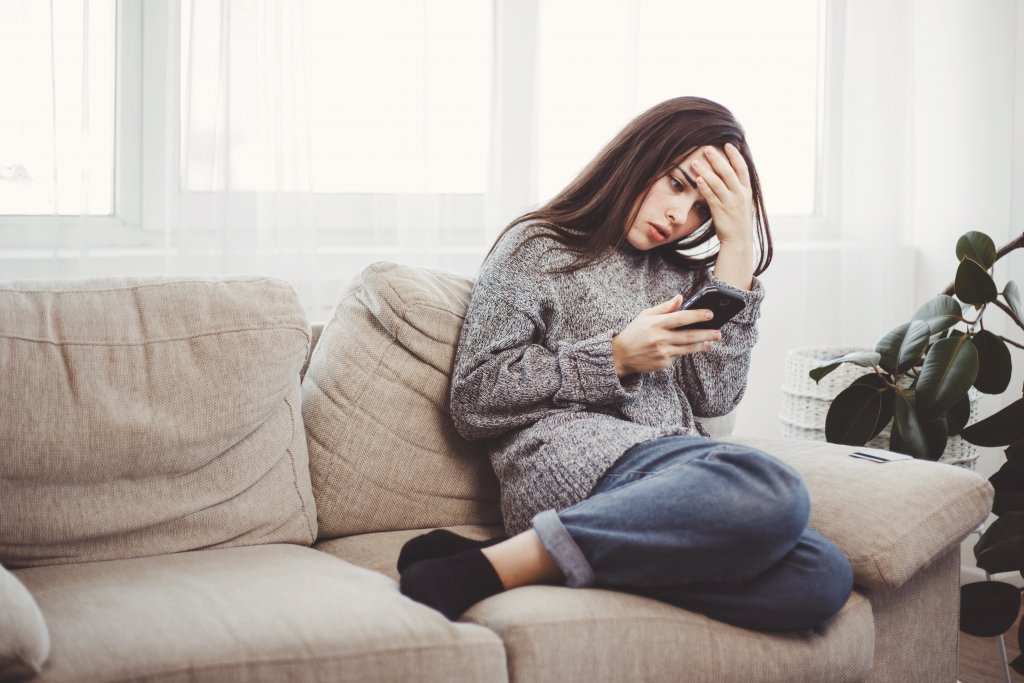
[
  {"x": 891, "y": 519},
  {"x": 24, "y": 638}
]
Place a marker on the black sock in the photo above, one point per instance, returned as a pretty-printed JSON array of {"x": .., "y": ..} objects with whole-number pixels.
[
  {"x": 438, "y": 543},
  {"x": 452, "y": 584}
]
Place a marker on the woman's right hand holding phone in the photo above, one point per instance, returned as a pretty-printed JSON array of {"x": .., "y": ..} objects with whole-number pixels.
[{"x": 650, "y": 341}]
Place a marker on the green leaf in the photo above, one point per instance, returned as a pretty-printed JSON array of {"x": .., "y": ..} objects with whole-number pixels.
[
  {"x": 1008, "y": 483},
  {"x": 907, "y": 434},
  {"x": 902, "y": 347},
  {"x": 973, "y": 284},
  {"x": 993, "y": 363},
  {"x": 1001, "y": 547},
  {"x": 1012, "y": 297},
  {"x": 885, "y": 394},
  {"x": 852, "y": 417},
  {"x": 942, "y": 305},
  {"x": 1015, "y": 452},
  {"x": 913, "y": 344},
  {"x": 949, "y": 371},
  {"x": 888, "y": 348},
  {"x": 958, "y": 415},
  {"x": 999, "y": 429},
  {"x": 988, "y": 608},
  {"x": 941, "y": 313},
  {"x": 941, "y": 323},
  {"x": 863, "y": 358},
  {"x": 978, "y": 247},
  {"x": 936, "y": 436}
]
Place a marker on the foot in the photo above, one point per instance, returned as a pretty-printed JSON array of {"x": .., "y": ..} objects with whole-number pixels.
[
  {"x": 453, "y": 584},
  {"x": 437, "y": 544}
]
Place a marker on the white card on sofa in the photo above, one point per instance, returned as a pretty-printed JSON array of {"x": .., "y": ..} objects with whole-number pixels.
[{"x": 878, "y": 455}]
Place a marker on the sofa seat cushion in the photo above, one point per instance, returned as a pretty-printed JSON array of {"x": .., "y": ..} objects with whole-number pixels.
[
  {"x": 553, "y": 633},
  {"x": 257, "y": 613},
  {"x": 150, "y": 415},
  {"x": 24, "y": 638},
  {"x": 890, "y": 519}
]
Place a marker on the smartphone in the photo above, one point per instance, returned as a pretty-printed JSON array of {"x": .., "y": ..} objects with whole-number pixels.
[{"x": 723, "y": 303}]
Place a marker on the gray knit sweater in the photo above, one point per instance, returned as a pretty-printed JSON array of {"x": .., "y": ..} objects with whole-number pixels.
[{"x": 534, "y": 375}]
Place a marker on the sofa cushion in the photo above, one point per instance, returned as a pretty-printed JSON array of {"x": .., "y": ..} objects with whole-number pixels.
[
  {"x": 553, "y": 633},
  {"x": 384, "y": 453},
  {"x": 379, "y": 551},
  {"x": 890, "y": 519},
  {"x": 142, "y": 416},
  {"x": 24, "y": 638},
  {"x": 258, "y": 613}
]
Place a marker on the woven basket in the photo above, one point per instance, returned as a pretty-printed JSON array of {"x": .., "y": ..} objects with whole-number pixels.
[{"x": 805, "y": 403}]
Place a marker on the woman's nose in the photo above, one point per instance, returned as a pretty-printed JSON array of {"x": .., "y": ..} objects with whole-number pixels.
[{"x": 678, "y": 212}]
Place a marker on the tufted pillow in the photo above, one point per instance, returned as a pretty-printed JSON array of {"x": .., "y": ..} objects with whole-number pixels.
[
  {"x": 24, "y": 638},
  {"x": 144, "y": 416},
  {"x": 384, "y": 454}
]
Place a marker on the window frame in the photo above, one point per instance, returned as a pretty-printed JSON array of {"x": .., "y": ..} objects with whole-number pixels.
[{"x": 120, "y": 228}]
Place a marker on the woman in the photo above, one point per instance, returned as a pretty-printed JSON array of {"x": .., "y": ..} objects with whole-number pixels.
[{"x": 571, "y": 368}]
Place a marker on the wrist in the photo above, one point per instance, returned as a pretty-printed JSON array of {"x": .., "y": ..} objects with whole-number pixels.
[
  {"x": 737, "y": 245},
  {"x": 620, "y": 367}
]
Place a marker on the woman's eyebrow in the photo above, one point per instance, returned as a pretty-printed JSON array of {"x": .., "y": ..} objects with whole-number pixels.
[{"x": 688, "y": 178}]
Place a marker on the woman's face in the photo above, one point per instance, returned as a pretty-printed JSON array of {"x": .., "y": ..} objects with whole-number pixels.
[{"x": 672, "y": 209}]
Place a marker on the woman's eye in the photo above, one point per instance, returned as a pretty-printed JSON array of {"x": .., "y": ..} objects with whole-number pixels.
[{"x": 676, "y": 185}]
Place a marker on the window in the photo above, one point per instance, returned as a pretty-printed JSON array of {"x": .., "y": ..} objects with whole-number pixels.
[
  {"x": 57, "y": 125},
  {"x": 600, "y": 62},
  {"x": 516, "y": 96},
  {"x": 397, "y": 96}
]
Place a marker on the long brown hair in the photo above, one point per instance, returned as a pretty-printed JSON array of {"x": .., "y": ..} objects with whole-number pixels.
[{"x": 592, "y": 212}]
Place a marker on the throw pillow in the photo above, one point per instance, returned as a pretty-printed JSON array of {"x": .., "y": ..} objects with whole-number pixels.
[
  {"x": 145, "y": 416},
  {"x": 384, "y": 454},
  {"x": 24, "y": 638}
]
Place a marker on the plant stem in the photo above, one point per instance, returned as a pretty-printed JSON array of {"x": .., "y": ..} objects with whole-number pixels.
[
  {"x": 1017, "y": 243},
  {"x": 1010, "y": 341},
  {"x": 1007, "y": 311}
]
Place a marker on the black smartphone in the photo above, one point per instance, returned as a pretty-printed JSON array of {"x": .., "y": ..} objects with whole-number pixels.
[{"x": 723, "y": 303}]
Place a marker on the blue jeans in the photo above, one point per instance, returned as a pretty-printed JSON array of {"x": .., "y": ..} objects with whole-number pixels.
[{"x": 715, "y": 528}]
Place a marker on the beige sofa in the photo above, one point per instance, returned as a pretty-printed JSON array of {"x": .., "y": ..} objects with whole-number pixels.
[{"x": 188, "y": 494}]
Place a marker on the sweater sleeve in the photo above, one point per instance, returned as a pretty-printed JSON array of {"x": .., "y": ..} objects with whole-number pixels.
[
  {"x": 506, "y": 377},
  {"x": 714, "y": 381}
]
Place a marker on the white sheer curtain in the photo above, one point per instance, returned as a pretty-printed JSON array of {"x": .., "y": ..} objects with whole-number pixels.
[
  {"x": 238, "y": 188},
  {"x": 305, "y": 139},
  {"x": 316, "y": 137}
]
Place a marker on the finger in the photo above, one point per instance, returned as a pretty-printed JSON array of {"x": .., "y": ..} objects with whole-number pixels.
[
  {"x": 739, "y": 164},
  {"x": 688, "y": 317},
  {"x": 709, "y": 184},
  {"x": 686, "y": 349},
  {"x": 723, "y": 167},
  {"x": 690, "y": 337},
  {"x": 666, "y": 306}
]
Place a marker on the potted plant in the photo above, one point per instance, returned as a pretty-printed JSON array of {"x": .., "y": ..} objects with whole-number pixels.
[{"x": 918, "y": 379}]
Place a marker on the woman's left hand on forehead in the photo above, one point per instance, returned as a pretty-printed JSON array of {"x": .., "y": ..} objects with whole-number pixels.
[{"x": 724, "y": 182}]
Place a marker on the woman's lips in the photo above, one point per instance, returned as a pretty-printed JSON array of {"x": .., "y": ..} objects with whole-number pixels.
[{"x": 657, "y": 232}]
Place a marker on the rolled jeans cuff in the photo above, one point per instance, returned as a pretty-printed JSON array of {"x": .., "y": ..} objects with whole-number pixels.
[{"x": 564, "y": 551}]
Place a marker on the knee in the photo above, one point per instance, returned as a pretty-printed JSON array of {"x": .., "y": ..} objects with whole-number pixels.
[
  {"x": 824, "y": 593},
  {"x": 776, "y": 502}
]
